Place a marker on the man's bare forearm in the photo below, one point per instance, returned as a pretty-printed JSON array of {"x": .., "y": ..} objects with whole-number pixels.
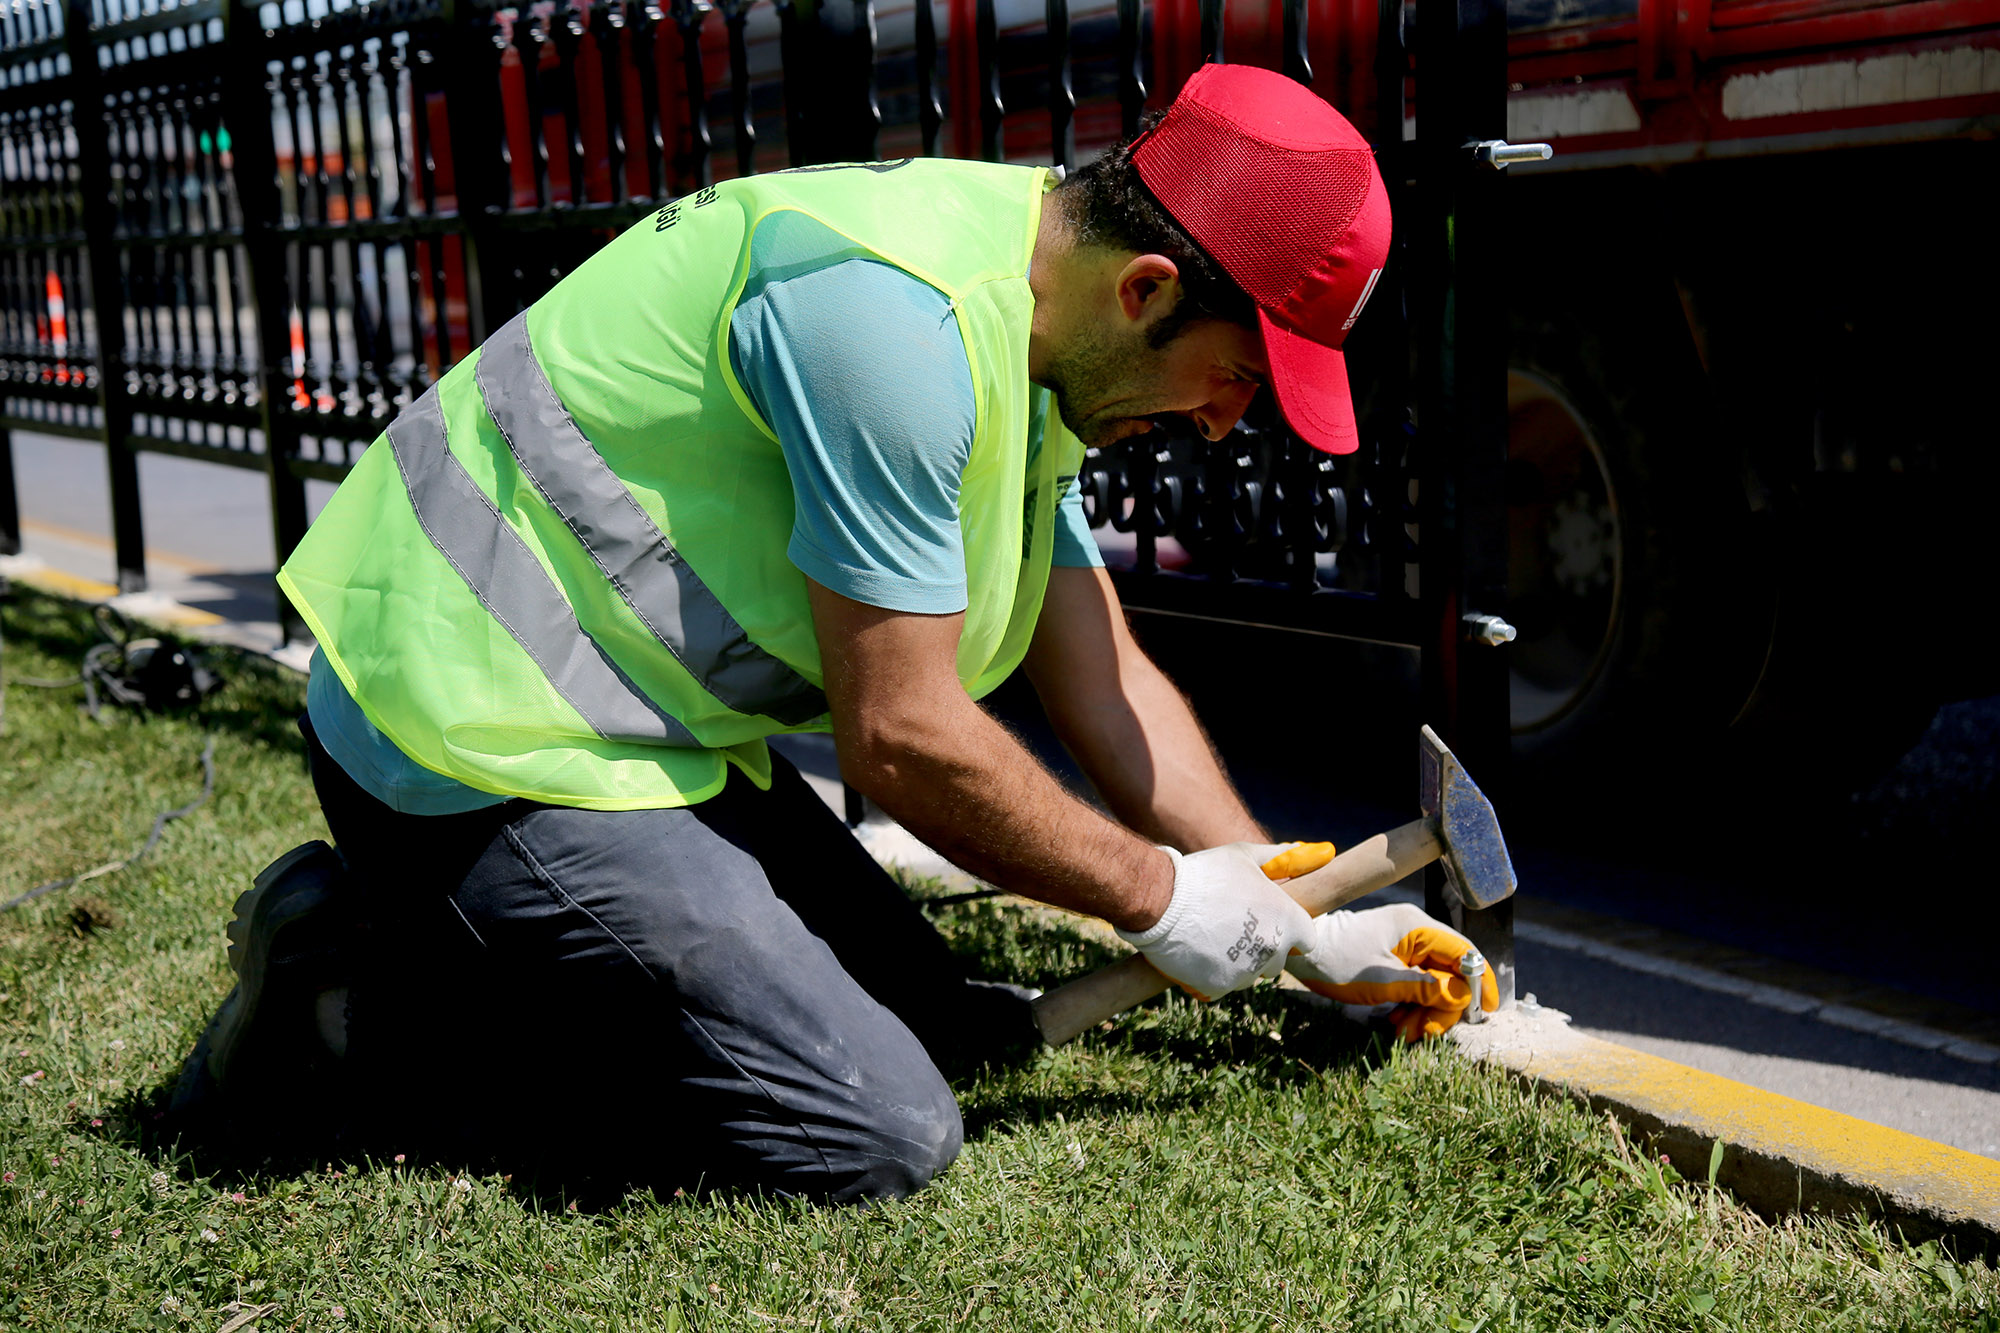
[
  {"x": 969, "y": 789},
  {"x": 1155, "y": 768},
  {"x": 1127, "y": 725},
  {"x": 910, "y": 739}
]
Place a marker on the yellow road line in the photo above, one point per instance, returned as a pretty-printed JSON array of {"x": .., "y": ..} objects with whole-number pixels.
[{"x": 98, "y": 541}]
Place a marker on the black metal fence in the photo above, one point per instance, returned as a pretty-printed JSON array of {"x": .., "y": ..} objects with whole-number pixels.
[{"x": 252, "y": 233}]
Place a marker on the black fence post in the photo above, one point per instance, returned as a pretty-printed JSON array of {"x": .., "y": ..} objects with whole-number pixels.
[
  {"x": 992, "y": 106},
  {"x": 10, "y": 505},
  {"x": 1131, "y": 66},
  {"x": 1462, "y": 337},
  {"x": 736, "y": 18},
  {"x": 247, "y": 109},
  {"x": 645, "y": 23},
  {"x": 476, "y": 122},
  {"x": 798, "y": 33},
  {"x": 1389, "y": 464},
  {"x": 107, "y": 295},
  {"x": 1062, "y": 87},
  {"x": 688, "y": 16},
  {"x": 930, "y": 105},
  {"x": 1298, "y": 63},
  {"x": 832, "y": 111},
  {"x": 868, "y": 107}
]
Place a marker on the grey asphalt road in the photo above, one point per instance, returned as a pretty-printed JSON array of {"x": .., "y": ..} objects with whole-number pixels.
[
  {"x": 1910, "y": 930},
  {"x": 1927, "y": 1092}
]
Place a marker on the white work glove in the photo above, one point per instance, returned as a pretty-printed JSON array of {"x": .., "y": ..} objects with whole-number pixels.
[
  {"x": 1226, "y": 926},
  {"x": 1393, "y": 955}
]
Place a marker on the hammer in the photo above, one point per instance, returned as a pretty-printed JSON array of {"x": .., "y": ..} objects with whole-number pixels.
[{"x": 1458, "y": 827}]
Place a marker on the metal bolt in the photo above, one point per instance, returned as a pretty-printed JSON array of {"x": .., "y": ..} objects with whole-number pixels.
[
  {"x": 1498, "y": 153},
  {"x": 1489, "y": 630},
  {"x": 1472, "y": 966}
]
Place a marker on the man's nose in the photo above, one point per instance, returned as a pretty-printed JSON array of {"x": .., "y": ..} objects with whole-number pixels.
[{"x": 1219, "y": 415}]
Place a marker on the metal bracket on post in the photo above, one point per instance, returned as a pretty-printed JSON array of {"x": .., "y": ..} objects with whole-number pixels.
[{"x": 1499, "y": 154}]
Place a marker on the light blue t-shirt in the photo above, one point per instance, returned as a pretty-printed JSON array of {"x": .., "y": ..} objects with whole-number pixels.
[{"x": 859, "y": 370}]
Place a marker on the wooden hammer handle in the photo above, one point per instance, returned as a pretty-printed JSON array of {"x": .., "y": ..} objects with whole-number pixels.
[{"x": 1070, "y": 1010}]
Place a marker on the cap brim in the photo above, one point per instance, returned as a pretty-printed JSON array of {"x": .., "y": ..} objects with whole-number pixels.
[{"x": 1310, "y": 381}]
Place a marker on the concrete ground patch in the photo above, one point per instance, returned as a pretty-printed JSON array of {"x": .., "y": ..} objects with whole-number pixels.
[{"x": 151, "y": 607}]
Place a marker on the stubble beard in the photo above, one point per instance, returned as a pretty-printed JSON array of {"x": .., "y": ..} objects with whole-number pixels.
[{"x": 1093, "y": 370}]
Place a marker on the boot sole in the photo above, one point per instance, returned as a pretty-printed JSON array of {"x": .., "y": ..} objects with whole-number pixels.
[{"x": 285, "y": 945}]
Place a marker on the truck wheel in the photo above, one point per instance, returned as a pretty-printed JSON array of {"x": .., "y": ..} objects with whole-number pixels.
[
  {"x": 1564, "y": 558},
  {"x": 1643, "y": 611}
]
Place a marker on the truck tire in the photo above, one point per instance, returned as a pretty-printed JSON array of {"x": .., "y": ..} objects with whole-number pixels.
[{"x": 1643, "y": 605}]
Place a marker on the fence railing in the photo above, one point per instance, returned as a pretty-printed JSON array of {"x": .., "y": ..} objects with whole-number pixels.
[{"x": 252, "y": 233}]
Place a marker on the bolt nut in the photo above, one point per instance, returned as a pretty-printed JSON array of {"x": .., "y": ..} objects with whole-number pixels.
[{"x": 1489, "y": 630}]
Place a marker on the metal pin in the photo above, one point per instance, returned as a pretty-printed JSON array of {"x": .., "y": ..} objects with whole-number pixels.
[
  {"x": 1472, "y": 966},
  {"x": 1499, "y": 154}
]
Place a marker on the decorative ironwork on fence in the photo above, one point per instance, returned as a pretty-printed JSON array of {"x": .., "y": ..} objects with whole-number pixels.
[{"x": 253, "y": 233}]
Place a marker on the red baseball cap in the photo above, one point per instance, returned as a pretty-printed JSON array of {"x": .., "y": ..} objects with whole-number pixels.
[{"x": 1284, "y": 194}]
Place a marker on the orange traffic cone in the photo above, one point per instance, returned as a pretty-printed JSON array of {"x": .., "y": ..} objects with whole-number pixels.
[
  {"x": 58, "y": 328},
  {"x": 300, "y": 398}
]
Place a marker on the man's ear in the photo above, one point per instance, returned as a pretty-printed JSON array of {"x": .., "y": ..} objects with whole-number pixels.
[{"x": 1148, "y": 287}]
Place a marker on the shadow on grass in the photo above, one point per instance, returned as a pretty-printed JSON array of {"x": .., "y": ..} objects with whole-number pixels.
[
  {"x": 303, "y": 1140},
  {"x": 1176, "y": 1056},
  {"x": 1278, "y": 1039}
]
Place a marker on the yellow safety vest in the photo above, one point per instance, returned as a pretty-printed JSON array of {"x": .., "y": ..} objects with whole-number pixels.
[{"x": 561, "y": 573}]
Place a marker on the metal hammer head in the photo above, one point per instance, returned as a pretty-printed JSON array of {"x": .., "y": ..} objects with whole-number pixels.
[{"x": 1475, "y": 855}]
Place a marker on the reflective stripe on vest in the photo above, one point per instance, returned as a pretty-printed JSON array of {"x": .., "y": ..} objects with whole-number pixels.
[
  {"x": 668, "y": 597},
  {"x": 511, "y": 584}
]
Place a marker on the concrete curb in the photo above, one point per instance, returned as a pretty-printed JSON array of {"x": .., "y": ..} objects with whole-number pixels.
[{"x": 1780, "y": 1156}]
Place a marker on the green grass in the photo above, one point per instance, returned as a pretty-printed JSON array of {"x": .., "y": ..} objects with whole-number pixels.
[{"x": 1246, "y": 1165}]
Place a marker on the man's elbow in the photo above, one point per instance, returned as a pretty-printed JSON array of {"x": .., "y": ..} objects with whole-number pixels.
[
  {"x": 910, "y": 748},
  {"x": 879, "y": 754},
  {"x": 870, "y": 770}
]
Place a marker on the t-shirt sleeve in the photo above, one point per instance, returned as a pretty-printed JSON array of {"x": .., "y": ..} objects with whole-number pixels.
[
  {"x": 859, "y": 370},
  {"x": 1074, "y": 547}
]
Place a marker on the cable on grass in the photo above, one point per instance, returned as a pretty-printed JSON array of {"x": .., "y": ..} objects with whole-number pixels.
[
  {"x": 146, "y": 675},
  {"x": 160, "y": 822}
]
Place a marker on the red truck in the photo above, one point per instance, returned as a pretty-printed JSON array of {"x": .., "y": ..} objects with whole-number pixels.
[{"x": 1753, "y": 295}]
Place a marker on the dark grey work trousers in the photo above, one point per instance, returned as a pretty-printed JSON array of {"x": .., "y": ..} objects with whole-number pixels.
[{"x": 730, "y": 995}]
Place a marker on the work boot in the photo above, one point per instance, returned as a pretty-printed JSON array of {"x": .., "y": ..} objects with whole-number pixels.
[{"x": 281, "y": 1032}]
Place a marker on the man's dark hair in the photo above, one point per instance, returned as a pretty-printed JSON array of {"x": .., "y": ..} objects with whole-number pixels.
[{"x": 1111, "y": 208}]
